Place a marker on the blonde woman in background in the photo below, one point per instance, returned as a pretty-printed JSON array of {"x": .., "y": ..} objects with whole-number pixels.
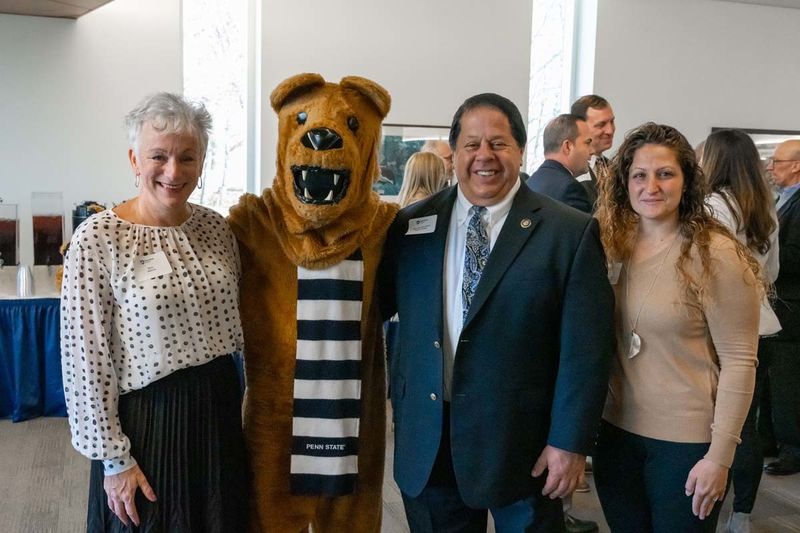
[{"x": 424, "y": 176}]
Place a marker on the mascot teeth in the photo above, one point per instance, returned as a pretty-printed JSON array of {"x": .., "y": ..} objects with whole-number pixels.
[{"x": 320, "y": 186}]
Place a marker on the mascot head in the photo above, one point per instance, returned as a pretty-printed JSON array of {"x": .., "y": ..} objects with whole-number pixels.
[{"x": 328, "y": 137}]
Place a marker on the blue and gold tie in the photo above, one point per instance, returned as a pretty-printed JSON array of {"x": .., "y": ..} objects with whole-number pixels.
[{"x": 476, "y": 254}]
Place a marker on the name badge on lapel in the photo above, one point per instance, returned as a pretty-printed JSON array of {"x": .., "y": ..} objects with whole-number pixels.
[
  {"x": 422, "y": 225},
  {"x": 151, "y": 266}
]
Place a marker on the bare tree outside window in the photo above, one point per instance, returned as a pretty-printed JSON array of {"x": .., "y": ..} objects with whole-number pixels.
[
  {"x": 215, "y": 72},
  {"x": 551, "y": 70}
]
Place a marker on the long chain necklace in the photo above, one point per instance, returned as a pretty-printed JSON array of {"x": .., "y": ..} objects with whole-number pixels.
[{"x": 635, "y": 345}]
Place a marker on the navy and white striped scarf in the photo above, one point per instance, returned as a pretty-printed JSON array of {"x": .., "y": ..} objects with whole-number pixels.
[{"x": 327, "y": 380}]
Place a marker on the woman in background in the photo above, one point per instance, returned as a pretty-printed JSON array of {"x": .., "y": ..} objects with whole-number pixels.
[
  {"x": 149, "y": 320},
  {"x": 687, "y": 300},
  {"x": 741, "y": 200},
  {"x": 424, "y": 176}
]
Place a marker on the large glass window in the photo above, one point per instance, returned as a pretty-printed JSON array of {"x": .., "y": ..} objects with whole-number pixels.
[
  {"x": 552, "y": 33},
  {"x": 215, "y": 47}
]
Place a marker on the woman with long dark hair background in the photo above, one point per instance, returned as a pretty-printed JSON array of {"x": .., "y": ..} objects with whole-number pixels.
[{"x": 741, "y": 200}]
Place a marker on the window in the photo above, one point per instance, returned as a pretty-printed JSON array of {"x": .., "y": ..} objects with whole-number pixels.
[
  {"x": 552, "y": 35},
  {"x": 215, "y": 71}
]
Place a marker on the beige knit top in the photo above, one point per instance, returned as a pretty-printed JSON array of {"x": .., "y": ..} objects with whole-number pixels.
[{"x": 693, "y": 379}]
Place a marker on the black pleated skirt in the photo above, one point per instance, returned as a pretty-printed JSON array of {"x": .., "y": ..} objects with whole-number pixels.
[{"x": 186, "y": 435}]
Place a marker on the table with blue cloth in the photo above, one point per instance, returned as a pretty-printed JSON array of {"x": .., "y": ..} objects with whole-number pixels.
[{"x": 30, "y": 359}]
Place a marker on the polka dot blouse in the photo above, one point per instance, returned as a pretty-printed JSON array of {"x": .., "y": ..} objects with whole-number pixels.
[{"x": 138, "y": 303}]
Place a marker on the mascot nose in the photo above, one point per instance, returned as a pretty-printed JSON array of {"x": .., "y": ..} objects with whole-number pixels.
[{"x": 322, "y": 139}]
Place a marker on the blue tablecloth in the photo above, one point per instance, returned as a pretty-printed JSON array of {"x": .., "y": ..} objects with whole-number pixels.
[{"x": 30, "y": 359}]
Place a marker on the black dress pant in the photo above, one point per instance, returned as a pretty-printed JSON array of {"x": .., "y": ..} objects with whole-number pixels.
[
  {"x": 781, "y": 361},
  {"x": 748, "y": 463},
  {"x": 440, "y": 508}
]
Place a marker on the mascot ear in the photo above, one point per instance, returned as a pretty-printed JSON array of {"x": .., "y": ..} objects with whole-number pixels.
[
  {"x": 292, "y": 87},
  {"x": 374, "y": 92}
]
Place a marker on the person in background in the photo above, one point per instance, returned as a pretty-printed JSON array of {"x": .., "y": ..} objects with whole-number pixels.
[
  {"x": 424, "y": 175},
  {"x": 780, "y": 353},
  {"x": 698, "y": 151},
  {"x": 600, "y": 116},
  {"x": 495, "y": 396},
  {"x": 149, "y": 323},
  {"x": 443, "y": 150},
  {"x": 687, "y": 312},
  {"x": 567, "y": 149},
  {"x": 741, "y": 200}
]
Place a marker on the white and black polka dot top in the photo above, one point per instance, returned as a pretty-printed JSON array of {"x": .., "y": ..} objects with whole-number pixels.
[{"x": 138, "y": 303}]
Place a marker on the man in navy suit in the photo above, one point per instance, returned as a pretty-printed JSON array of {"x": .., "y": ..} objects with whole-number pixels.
[
  {"x": 781, "y": 353},
  {"x": 568, "y": 146},
  {"x": 567, "y": 150},
  {"x": 505, "y": 341}
]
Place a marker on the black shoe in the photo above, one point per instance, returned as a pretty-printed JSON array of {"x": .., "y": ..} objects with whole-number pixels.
[
  {"x": 770, "y": 450},
  {"x": 782, "y": 467},
  {"x": 576, "y": 525}
]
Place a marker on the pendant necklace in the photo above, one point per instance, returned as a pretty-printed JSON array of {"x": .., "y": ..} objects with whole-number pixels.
[{"x": 635, "y": 345}]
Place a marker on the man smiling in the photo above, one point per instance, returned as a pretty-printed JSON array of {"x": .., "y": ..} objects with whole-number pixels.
[
  {"x": 507, "y": 331},
  {"x": 601, "y": 120}
]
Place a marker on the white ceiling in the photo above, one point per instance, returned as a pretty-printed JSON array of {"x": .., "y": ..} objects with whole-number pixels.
[
  {"x": 776, "y": 3},
  {"x": 71, "y": 9}
]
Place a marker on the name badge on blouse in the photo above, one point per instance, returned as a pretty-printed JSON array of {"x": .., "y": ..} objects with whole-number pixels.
[
  {"x": 419, "y": 226},
  {"x": 151, "y": 266}
]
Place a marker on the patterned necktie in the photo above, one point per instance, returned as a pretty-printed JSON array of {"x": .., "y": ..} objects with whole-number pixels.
[{"x": 475, "y": 255}]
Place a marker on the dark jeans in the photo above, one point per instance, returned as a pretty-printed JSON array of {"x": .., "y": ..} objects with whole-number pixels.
[
  {"x": 640, "y": 483},
  {"x": 440, "y": 509}
]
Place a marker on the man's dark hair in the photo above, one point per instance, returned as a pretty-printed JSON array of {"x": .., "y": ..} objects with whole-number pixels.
[
  {"x": 582, "y": 104},
  {"x": 562, "y": 128},
  {"x": 502, "y": 104}
]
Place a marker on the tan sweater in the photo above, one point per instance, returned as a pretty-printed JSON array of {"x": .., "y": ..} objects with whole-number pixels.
[{"x": 693, "y": 379}]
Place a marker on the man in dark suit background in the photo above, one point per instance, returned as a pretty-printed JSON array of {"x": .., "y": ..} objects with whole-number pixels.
[
  {"x": 505, "y": 343},
  {"x": 600, "y": 117},
  {"x": 567, "y": 149},
  {"x": 781, "y": 353}
]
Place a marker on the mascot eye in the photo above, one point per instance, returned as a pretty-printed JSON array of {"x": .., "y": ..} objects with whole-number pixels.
[
  {"x": 302, "y": 116},
  {"x": 352, "y": 123}
]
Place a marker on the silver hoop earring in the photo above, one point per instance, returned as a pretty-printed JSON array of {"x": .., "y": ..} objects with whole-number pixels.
[
  {"x": 200, "y": 182},
  {"x": 136, "y": 181}
]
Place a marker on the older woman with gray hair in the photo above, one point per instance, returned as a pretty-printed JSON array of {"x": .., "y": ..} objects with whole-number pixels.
[{"x": 149, "y": 323}]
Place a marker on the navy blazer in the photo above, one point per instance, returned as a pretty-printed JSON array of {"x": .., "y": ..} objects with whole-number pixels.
[
  {"x": 531, "y": 366},
  {"x": 787, "y": 286},
  {"x": 554, "y": 180}
]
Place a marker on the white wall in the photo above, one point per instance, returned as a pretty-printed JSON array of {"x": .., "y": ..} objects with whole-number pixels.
[
  {"x": 430, "y": 55},
  {"x": 65, "y": 87},
  {"x": 695, "y": 64}
]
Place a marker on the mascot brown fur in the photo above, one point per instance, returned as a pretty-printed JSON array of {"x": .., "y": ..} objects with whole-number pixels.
[{"x": 312, "y": 219}]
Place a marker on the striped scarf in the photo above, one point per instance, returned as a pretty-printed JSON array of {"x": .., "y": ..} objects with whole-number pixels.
[{"x": 327, "y": 380}]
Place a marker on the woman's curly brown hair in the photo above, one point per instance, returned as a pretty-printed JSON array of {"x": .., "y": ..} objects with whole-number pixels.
[{"x": 619, "y": 222}]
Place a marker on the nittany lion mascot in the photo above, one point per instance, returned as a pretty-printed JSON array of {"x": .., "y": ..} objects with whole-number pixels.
[{"x": 314, "y": 410}]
